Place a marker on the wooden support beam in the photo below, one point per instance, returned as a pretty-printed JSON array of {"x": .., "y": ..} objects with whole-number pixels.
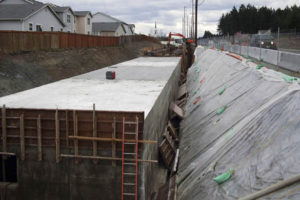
[
  {"x": 57, "y": 135},
  {"x": 7, "y": 154},
  {"x": 39, "y": 138},
  {"x": 111, "y": 139},
  {"x": 172, "y": 130},
  {"x": 114, "y": 145},
  {"x": 94, "y": 133},
  {"x": 182, "y": 91},
  {"x": 75, "y": 122},
  {"x": 107, "y": 158},
  {"x": 22, "y": 140},
  {"x": 176, "y": 161},
  {"x": 67, "y": 128},
  {"x": 177, "y": 110},
  {"x": 4, "y": 133}
]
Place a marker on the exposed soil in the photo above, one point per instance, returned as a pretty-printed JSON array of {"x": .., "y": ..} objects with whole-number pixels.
[{"x": 24, "y": 71}]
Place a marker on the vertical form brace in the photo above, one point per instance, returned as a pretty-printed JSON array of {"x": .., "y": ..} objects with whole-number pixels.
[
  {"x": 114, "y": 163},
  {"x": 136, "y": 158},
  {"x": 39, "y": 137},
  {"x": 67, "y": 128},
  {"x": 75, "y": 123},
  {"x": 57, "y": 136},
  {"x": 94, "y": 133},
  {"x": 4, "y": 133},
  {"x": 22, "y": 139},
  {"x": 123, "y": 141}
]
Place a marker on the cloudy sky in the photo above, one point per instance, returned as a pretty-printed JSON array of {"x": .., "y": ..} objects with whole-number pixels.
[{"x": 167, "y": 13}]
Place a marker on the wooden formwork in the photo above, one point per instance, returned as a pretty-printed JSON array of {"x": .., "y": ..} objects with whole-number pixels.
[{"x": 74, "y": 129}]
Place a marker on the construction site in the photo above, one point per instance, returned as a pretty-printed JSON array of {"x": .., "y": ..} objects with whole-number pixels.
[{"x": 134, "y": 117}]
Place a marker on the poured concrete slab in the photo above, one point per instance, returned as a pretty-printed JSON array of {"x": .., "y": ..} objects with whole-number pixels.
[{"x": 137, "y": 86}]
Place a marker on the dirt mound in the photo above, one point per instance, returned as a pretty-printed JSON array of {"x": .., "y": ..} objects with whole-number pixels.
[{"x": 20, "y": 72}]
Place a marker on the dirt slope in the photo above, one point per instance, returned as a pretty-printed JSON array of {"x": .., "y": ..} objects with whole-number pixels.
[{"x": 24, "y": 71}]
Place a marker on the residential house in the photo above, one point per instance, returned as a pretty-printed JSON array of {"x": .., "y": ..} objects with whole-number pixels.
[
  {"x": 110, "y": 22},
  {"x": 83, "y": 21},
  {"x": 66, "y": 14},
  {"x": 28, "y": 15},
  {"x": 109, "y": 29}
]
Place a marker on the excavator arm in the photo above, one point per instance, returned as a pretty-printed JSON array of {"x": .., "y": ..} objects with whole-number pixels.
[{"x": 179, "y": 35}]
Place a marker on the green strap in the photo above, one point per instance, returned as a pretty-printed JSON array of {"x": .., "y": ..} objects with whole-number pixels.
[
  {"x": 222, "y": 91},
  {"x": 221, "y": 110},
  {"x": 260, "y": 66},
  {"x": 223, "y": 177}
]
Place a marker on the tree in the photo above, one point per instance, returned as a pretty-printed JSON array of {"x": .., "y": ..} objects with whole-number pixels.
[
  {"x": 249, "y": 19},
  {"x": 207, "y": 34}
]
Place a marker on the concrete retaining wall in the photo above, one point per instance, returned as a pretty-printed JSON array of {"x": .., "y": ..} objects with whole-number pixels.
[
  {"x": 286, "y": 60},
  {"x": 290, "y": 61},
  {"x": 269, "y": 56},
  {"x": 154, "y": 175}
]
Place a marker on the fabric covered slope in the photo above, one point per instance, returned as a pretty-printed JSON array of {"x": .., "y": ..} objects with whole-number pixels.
[{"x": 247, "y": 120}]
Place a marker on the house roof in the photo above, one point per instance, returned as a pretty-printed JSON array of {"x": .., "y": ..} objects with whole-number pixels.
[
  {"x": 105, "y": 26},
  {"x": 19, "y": 12},
  {"x": 59, "y": 9},
  {"x": 117, "y": 20},
  {"x": 82, "y": 13}
]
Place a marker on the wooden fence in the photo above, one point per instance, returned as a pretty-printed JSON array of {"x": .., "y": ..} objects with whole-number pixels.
[{"x": 18, "y": 41}]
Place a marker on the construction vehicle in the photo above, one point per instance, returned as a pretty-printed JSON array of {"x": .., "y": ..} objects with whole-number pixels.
[{"x": 179, "y": 35}]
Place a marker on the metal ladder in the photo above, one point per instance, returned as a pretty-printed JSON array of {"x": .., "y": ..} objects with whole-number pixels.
[{"x": 129, "y": 161}]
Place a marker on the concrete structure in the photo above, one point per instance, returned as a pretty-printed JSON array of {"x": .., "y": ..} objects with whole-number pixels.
[
  {"x": 143, "y": 87},
  {"x": 83, "y": 22},
  {"x": 286, "y": 60},
  {"x": 27, "y": 15},
  {"x": 66, "y": 15},
  {"x": 109, "y": 29},
  {"x": 100, "y": 17}
]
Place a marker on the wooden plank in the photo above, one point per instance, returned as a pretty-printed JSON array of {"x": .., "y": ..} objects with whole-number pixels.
[
  {"x": 22, "y": 140},
  {"x": 106, "y": 158},
  {"x": 177, "y": 110},
  {"x": 4, "y": 133},
  {"x": 57, "y": 135},
  {"x": 176, "y": 161},
  {"x": 67, "y": 128},
  {"x": 164, "y": 151},
  {"x": 7, "y": 154},
  {"x": 170, "y": 141},
  {"x": 111, "y": 139},
  {"x": 94, "y": 133},
  {"x": 114, "y": 144},
  {"x": 39, "y": 136},
  {"x": 75, "y": 122},
  {"x": 182, "y": 91},
  {"x": 172, "y": 130}
]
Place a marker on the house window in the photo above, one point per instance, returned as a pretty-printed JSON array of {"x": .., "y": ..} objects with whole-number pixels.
[
  {"x": 88, "y": 21},
  {"x": 30, "y": 26},
  {"x": 69, "y": 18},
  {"x": 39, "y": 28},
  {"x": 61, "y": 30},
  {"x": 8, "y": 169},
  {"x": 88, "y": 32},
  {"x": 52, "y": 28}
]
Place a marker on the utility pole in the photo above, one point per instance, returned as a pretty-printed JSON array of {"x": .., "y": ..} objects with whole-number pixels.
[
  {"x": 192, "y": 19},
  {"x": 188, "y": 28},
  {"x": 196, "y": 21},
  {"x": 184, "y": 20}
]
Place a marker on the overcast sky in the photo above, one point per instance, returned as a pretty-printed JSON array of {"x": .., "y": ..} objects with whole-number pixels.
[{"x": 167, "y": 13}]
